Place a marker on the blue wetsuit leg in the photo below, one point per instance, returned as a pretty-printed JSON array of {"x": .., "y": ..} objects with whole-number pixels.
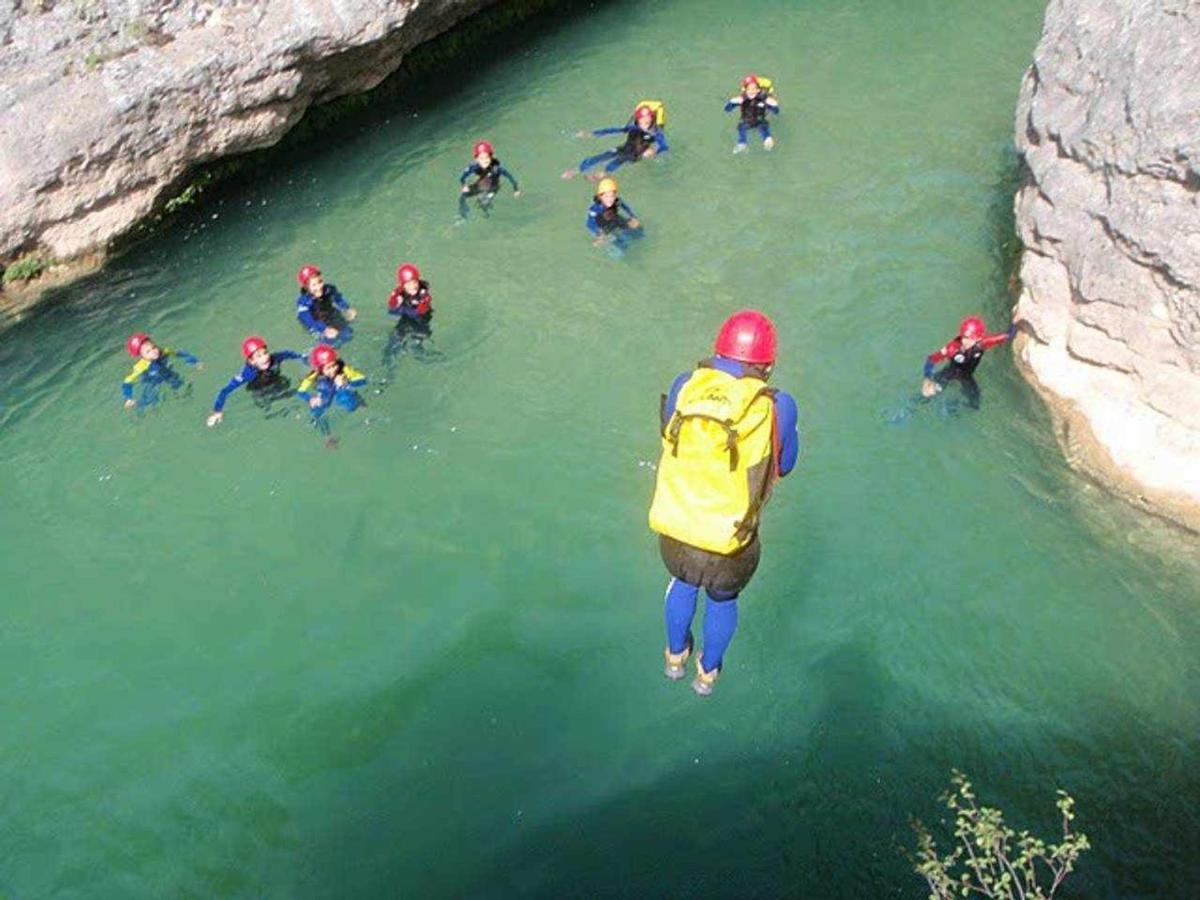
[
  {"x": 720, "y": 623},
  {"x": 596, "y": 160},
  {"x": 764, "y": 129},
  {"x": 742, "y": 133},
  {"x": 617, "y": 163},
  {"x": 680, "y": 609}
]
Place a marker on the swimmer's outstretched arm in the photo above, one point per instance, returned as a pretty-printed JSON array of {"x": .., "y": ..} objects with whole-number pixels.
[
  {"x": 466, "y": 173},
  {"x": 182, "y": 354},
  {"x": 134, "y": 376},
  {"x": 504, "y": 173},
  {"x": 617, "y": 129},
  {"x": 222, "y": 395}
]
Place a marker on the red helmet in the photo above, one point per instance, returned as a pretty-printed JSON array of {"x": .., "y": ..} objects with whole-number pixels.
[
  {"x": 972, "y": 327},
  {"x": 304, "y": 276},
  {"x": 134, "y": 344},
  {"x": 750, "y": 80},
  {"x": 642, "y": 111},
  {"x": 407, "y": 272},
  {"x": 322, "y": 355},
  {"x": 747, "y": 336},
  {"x": 252, "y": 345},
  {"x": 482, "y": 147}
]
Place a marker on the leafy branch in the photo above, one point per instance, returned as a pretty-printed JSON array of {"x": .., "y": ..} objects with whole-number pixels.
[{"x": 989, "y": 858}]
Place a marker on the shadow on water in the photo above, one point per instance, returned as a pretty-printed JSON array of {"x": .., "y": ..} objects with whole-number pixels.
[{"x": 801, "y": 821}]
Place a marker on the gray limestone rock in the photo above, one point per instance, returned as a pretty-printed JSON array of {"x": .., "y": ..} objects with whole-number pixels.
[
  {"x": 1108, "y": 125},
  {"x": 105, "y": 105}
]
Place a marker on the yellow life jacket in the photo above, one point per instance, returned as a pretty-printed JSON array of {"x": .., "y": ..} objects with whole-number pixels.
[
  {"x": 660, "y": 110},
  {"x": 718, "y": 462}
]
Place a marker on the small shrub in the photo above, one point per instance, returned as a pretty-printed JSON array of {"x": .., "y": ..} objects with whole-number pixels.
[
  {"x": 25, "y": 269},
  {"x": 989, "y": 858}
]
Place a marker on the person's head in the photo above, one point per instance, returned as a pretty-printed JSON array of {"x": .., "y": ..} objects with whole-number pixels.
[
  {"x": 140, "y": 346},
  {"x": 748, "y": 337},
  {"x": 408, "y": 278},
  {"x": 971, "y": 331},
  {"x": 324, "y": 359},
  {"x": 311, "y": 280},
  {"x": 255, "y": 350},
  {"x": 750, "y": 86},
  {"x": 606, "y": 191},
  {"x": 644, "y": 116},
  {"x": 483, "y": 153}
]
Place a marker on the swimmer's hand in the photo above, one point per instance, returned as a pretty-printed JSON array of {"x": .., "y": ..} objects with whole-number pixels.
[
  {"x": 569, "y": 174},
  {"x": 315, "y": 402},
  {"x": 649, "y": 153},
  {"x": 340, "y": 380},
  {"x": 929, "y": 388},
  {"x": 516, "y": 193},
  {"x": 600, "y": 241},
  {"x": 465, "y": 189},
  {"x": 330, "y": 333},
  {"x": 351, "y": 314},
  {"x": 635, "y": 223},
  {"x": 214, "y": 419},
  {"x": 130, "y": 403},
  {"x": 581, "y": 134}
]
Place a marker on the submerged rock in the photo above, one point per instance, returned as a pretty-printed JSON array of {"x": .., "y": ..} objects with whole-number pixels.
[
  {"x": 1108, "y": 125},
  {"x": 107, "y": 105}
]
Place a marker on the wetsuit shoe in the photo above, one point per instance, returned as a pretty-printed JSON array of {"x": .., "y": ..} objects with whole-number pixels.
[
  {"x": 739, "y": 148},
  {"x": 676, "y": 663},
  {"x": 769, "y": 143},
  {"x": 704, "y": 682}
]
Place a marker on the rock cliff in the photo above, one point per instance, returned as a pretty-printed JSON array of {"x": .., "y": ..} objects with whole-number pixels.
[
  {"x": 1108, "y": 125},
  {"x": 107, "y": 105}
]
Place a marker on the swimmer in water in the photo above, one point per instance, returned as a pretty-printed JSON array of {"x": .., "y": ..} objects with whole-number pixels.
[
  {"x": 755, "y": 102},
  {"x": 260, "y": 375},
  {"x": 152, "y": 369},
  {"x": 644, "y": 139},
  {"x": 321, "y": 309},
  {"x": 487, "y": 171},
  {"x": 331, "y": 382},
  {"x": 610, "y": 218},
  {"x": 962, "y": 355}
]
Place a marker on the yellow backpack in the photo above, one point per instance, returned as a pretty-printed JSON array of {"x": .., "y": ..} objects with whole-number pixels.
[
  {"x": 660, "y": 110},
  {"x": 766, "y": 85}
]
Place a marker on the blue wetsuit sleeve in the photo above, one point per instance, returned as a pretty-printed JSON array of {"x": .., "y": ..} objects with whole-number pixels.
[
  {"x": 304, "y": 314},
  {"x": 222, "y": 395},
  {"x": 504, "y": 173},
  {"x": 338, "y": 300},
  {"x": 773, "y": 106},
  {"x": 668, "y": 409},
  {"x": 127, "y": 389},
  {"x": 620, "y": 129},
  {"x": 283, "y": 355},
  {"x": 731, "y": 105},
  {"x": 592, "y": 224},
  {"x": 188, "y": 358},
  {"x": 625, "y": 206},
  {"x": 787, "y": 419},
  {"x": 660, "y": 140},
  {"x": 929, "y": 364},
  {"x": 466, "y": 173}
]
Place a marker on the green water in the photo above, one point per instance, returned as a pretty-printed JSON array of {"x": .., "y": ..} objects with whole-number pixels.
[{"x": 427, "y": 663}]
